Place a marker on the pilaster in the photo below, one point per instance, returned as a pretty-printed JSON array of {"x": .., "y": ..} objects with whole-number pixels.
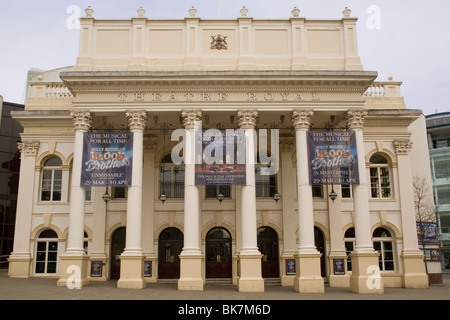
[
  {"x": 414, "y": 275},
  {"x": 20, "y": 258}
]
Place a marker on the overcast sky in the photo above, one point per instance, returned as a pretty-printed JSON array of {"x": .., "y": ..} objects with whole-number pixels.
[{"x": 406, "y": 39}]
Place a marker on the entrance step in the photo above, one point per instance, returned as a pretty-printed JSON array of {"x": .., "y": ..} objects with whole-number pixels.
[
  {"x": 272, "y": 281},
  {"x": 219, "y": 281}
]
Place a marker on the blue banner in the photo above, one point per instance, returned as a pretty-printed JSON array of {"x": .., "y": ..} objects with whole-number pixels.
[
  {"x": 333, "y": 158},
  {"x": 107, "y": 159}
]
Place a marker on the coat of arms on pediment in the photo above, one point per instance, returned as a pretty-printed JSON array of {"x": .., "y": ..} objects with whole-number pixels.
[{"x": 219, "y": 42}]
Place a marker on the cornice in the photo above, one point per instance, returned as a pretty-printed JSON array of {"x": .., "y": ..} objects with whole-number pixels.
[
  {"x": 43, "y": 118},
  {"x": 227, "y": 81}
]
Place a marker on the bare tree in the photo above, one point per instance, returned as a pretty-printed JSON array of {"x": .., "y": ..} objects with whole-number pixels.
[{"x": 425, "y": 211}]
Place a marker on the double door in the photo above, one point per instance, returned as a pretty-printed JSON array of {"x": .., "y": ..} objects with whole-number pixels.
[
  {"x": 218, "y": 254},
  {"x": 170, "y": 246}
]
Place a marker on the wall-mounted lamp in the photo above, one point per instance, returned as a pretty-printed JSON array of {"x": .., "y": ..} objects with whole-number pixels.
[
  {"x": 333, "y": 194},
  {"x": 276, "y": 197},
  {"x": 163, "y": 197},
  {"x": 220, "y": 197},
  {"x": 106, "y": 197}
]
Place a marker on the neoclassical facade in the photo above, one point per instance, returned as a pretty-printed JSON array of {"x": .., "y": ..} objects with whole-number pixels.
[{"x": 152, "y": 77}]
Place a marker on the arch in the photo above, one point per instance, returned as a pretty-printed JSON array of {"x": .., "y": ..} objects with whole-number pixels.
[
  {"x": 88, "y": 231},
  {"x": 164, "y": 226},
  {"x": 46, "y": 155},
  {"x": 273, "y": 226},
  {"x": 318, "y": 225},
  {"x": 213, "y": 224},
  {"x": 395, "y": 232},
  {"x": 48, "y": 233},
  {"x": 38, "y": 229},
  {"x": 109, "y": 232},
  {"x": 390, "y": 157}
]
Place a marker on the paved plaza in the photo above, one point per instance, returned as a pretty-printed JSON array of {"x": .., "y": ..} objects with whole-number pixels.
[{"x": 46, "y": 289}]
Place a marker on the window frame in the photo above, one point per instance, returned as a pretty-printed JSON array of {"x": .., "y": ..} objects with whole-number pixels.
[
  {"x": 175, "y": 187},
  {"x": 46, "y": 252},
  {"x": 379, "y": 178},
  {"x": 52, "y": 170},
  {"x": 382, "y": 259}
]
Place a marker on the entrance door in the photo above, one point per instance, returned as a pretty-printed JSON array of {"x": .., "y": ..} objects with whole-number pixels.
[
  {"x": 218, "y": 253},
  {"x": 170, "y": 246},
  {"x": 320, "y": 245},
  {"x": 268, "y": 246},
  {"x": 117, "y": 247}
]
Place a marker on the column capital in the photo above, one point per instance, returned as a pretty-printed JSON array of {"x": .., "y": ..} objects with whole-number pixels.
[
  {"x": 190, "y": 117},
  {"x": 28, "y": 148},
  {"x": 355, "y": 119},
  {"x": 402, "y": 146},
  {"x": 81, "y": 120},
  {"x": 247, "y": 119},
  {"x": 302, "y": 119},
  {"x": 136, "y": 120}
]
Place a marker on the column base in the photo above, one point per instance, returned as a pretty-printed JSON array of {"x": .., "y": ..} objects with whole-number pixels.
[
  {"x": 191, "y": 272},
  {"x": 131, "y": 272},
  {"x": 366, "y": 277},
  {"x": 73, "y": 271},
  {"x": 338, "y": 280},
  {"x": 414, "y": 271},
  {"x": 250, "y": 279},
  {"x": 19, "y": 265},
  {"x": 93, "y": 274},
  {"x": 308, "y": 278}
]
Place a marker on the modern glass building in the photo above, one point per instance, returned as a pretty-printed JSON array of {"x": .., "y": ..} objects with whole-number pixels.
[
  {"x": 9, "y": 176},
  {"x": 438, "y": 128}
]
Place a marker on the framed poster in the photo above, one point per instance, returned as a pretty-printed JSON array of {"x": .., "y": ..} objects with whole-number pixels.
[
  {"x": 96, "y": 268},
  {"x": 338, "y": 266},
  {"x": 147, "y": 268},
  {"x": 290, "y": 266}
]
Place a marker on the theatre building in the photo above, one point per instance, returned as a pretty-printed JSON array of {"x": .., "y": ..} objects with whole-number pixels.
[{"x": 328, "y": 199}]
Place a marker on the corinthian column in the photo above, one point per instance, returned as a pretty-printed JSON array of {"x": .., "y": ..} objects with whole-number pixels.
[
  {"x": 132, "y": 259},
  {"x": 308, "y": 276},
  {"x": 20, "y": 258},
  {"x": 249, "y": 257},
  {"x": 191, "y": 258},
  {"x": 75, "y": 254},
  {"x": 414, "y": 275},
  {"x": 364, "y": 258}
]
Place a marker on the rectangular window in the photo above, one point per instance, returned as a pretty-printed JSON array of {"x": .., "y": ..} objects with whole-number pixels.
[
  {"x": 213, "y": 191},
  {"x": 51, "y": 185}
]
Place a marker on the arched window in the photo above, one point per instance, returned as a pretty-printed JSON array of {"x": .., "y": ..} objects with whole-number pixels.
[
  {"x": 380, "y": 177},
  {"x": 171, "y": 178},
  {"x": 383, "y": 243},
  {"x": 51, "y": 180},
  {"x": 46, "y": 252},
  {"x": 349, "y": 239}
]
